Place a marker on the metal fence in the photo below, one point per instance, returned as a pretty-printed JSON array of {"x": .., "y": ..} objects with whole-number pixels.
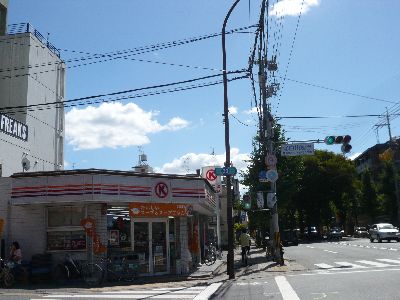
[{"x": 27, "y": 27}]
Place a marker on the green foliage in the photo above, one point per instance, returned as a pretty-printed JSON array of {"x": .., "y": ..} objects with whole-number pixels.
[{"x": 312, "y": 190}]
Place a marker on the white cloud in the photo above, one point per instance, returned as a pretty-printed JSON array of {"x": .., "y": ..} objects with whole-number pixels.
[
  {"x": 189, "y": 162},
  {"x": 251, "y": 111},
  {"x": 114, "y": 125},
  {"x": 66, "y": 164},
  {"x": 233, "y": 110},
  {"x": 354, "y": 155},
  {"x": 292, "y": 7}
]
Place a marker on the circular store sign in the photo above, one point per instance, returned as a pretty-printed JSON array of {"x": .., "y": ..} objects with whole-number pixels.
[
  {"x": 161, "y": 190},
  {"x": 210, "y": 175}
]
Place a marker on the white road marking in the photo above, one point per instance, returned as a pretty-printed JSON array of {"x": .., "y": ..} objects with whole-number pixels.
[
  {"x": 324, "y": 266},
  {"x": 207, "y": 293},
  {"x": 350, "y": 265},
  {"x": 93, "y": 296},
  {"x": 393, "y": 261},
  {"x": 310, "y": 247},
  {"x": 383, "y": 248},
  {"x": 330, "y": 251},
  {"x": 373, "y": 263},
  {"x": 286, "y": 289},
  {"x": 169, "y": 296},
  {"x": 327, "y": 272},
  {"x": 393, "y": 249}
]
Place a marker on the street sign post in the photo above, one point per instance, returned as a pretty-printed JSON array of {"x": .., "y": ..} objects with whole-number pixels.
[
  {"x": 271, "y": 200},
  {"x": 270, "y": 160},
  {"x": 272, "y": 175},
  {"x": 297, "y": 149},
  {"x": 225, "y": 171}
]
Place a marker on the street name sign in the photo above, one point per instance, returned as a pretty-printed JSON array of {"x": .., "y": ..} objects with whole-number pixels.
[
  {"x": 225, "y": 171},
  {"x": 297, "y": 149}
]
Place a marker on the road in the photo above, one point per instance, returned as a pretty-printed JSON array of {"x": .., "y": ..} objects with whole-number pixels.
[{"x": 346, "y": 269}]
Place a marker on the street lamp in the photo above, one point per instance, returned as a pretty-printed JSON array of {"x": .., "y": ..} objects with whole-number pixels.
[{"x": 230, "y": 259}]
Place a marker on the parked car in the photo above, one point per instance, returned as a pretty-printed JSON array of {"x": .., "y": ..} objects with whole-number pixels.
[
  {"x": 384, "y": 231},
  {"x": 335, "y": 233},
  {"x": 289, "y": 237},
  {"x": 361, "y": 232},
  {"x": 311, "y": 233}
]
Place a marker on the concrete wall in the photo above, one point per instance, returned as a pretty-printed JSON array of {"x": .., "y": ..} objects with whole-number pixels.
[
  {"x": 42, "y": 82},
  {"x": 28, "y": 227}
]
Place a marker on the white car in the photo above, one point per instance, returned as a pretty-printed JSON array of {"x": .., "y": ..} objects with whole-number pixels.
[{"x": 384, "y": 231}]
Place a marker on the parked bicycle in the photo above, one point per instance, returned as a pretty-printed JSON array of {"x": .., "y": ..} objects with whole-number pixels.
[
  {"x": 212, "y": 254},
  {"x": 6, "y": 277},
  {"x": 124, "y": 270},
  {"x": 71, "y": 269}
]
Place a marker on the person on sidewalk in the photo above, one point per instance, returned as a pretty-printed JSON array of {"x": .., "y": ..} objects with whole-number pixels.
[{"x": 245, "y": 244}]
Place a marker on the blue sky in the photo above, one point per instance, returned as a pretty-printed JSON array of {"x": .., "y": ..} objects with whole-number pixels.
[{"x": 347, "y": 45}]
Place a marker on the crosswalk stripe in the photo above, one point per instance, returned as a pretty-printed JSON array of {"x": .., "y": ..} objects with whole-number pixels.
[
  {"x": 394, "y": 261},
  {"x": 373, "y": 263},
  {"x": 324, "y": 266},
  {"x": 350, "y": 265},
  {"x": 168, "y": 296}
]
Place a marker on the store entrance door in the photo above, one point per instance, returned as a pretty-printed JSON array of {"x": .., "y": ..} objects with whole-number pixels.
[{"x": 151, "y": 243}]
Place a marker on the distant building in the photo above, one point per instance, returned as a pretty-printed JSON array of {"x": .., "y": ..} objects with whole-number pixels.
[
  {"x": 32, "y": 75},
  {"x": 369, "y": 159}
]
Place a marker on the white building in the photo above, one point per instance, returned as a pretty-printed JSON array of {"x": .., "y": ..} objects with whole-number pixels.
[{"x": 32, "y": 78}]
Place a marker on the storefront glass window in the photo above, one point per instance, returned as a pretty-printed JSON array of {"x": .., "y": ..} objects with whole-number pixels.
[
  {"x": 119, "y": 227},
  {"x": 64, "y": 231},
  {"x": 159, "y": 247}
]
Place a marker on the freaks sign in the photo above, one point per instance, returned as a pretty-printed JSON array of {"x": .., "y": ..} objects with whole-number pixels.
[{"x": 13, "y": 127}]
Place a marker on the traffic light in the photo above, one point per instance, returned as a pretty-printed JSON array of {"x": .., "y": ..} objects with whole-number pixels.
[
  {"x": 346, "y": 147},
  {"x": 340, "y": 139},
  {"x": 329, "y": 140},
  {"x": 246, "y": 202}
]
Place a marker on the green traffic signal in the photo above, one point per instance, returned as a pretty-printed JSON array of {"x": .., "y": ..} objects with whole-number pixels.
[
  {"x": 329, "y": 140},
  {"x": 247, "y": 205}
]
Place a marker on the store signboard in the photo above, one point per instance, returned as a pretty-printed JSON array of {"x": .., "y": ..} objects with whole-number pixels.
[
  {"x": 143, "y": 209},
  {"x": 13, "y": 127}
]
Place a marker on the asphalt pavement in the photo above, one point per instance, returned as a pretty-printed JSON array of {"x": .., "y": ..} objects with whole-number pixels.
[{"x": 341, "y": 269}]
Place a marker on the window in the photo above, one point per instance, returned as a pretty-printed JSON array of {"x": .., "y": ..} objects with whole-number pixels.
[{"x": 64, "y": 231}]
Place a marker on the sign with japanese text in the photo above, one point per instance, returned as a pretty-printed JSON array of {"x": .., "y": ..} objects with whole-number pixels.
[
  {"x": 297, "y": 149},
  {"x": 144, "y": 209}
]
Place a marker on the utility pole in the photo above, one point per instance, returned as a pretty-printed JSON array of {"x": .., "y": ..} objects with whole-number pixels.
[
  {"x": 230, "y": 259},
  {"x": 267, "y": 131},
  {"x": 394, "y": 167}
]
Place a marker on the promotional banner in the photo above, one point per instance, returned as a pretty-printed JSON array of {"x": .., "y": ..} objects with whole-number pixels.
[{"x": 142, "y": 209}]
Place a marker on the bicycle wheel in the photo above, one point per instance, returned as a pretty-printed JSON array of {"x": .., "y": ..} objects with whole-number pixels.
[
  {"x": 60, "y": 274},
  {"x": 92, "y": 274},
  {"x": 8, "y": 279},
  {"x": 210, "y": 259}
]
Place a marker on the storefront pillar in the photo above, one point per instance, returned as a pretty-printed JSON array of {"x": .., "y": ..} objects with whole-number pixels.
[{"x": 186, "y": 257}]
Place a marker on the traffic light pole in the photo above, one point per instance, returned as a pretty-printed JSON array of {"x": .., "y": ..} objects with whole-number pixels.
[{"x": 229, "y": 221}]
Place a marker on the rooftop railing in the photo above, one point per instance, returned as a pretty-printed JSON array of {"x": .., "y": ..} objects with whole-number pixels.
[{"x": 27, "y": 27}]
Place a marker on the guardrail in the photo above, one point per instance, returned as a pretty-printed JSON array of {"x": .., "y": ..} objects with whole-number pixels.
[{"x": 27, "y": 27}]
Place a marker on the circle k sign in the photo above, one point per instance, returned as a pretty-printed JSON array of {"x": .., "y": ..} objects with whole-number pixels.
[{"x": 161, "y": 190}]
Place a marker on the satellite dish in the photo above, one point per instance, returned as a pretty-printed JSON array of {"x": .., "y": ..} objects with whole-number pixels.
[{"x": 26, "y": 164}]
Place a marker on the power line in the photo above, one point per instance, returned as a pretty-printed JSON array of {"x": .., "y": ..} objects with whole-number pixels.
[
  {"x": 339, "y": 91},
  {"x": 95, "y": 100},
  {"x": 290, "y": 55},
  {"x": 120, "y": 54}
]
